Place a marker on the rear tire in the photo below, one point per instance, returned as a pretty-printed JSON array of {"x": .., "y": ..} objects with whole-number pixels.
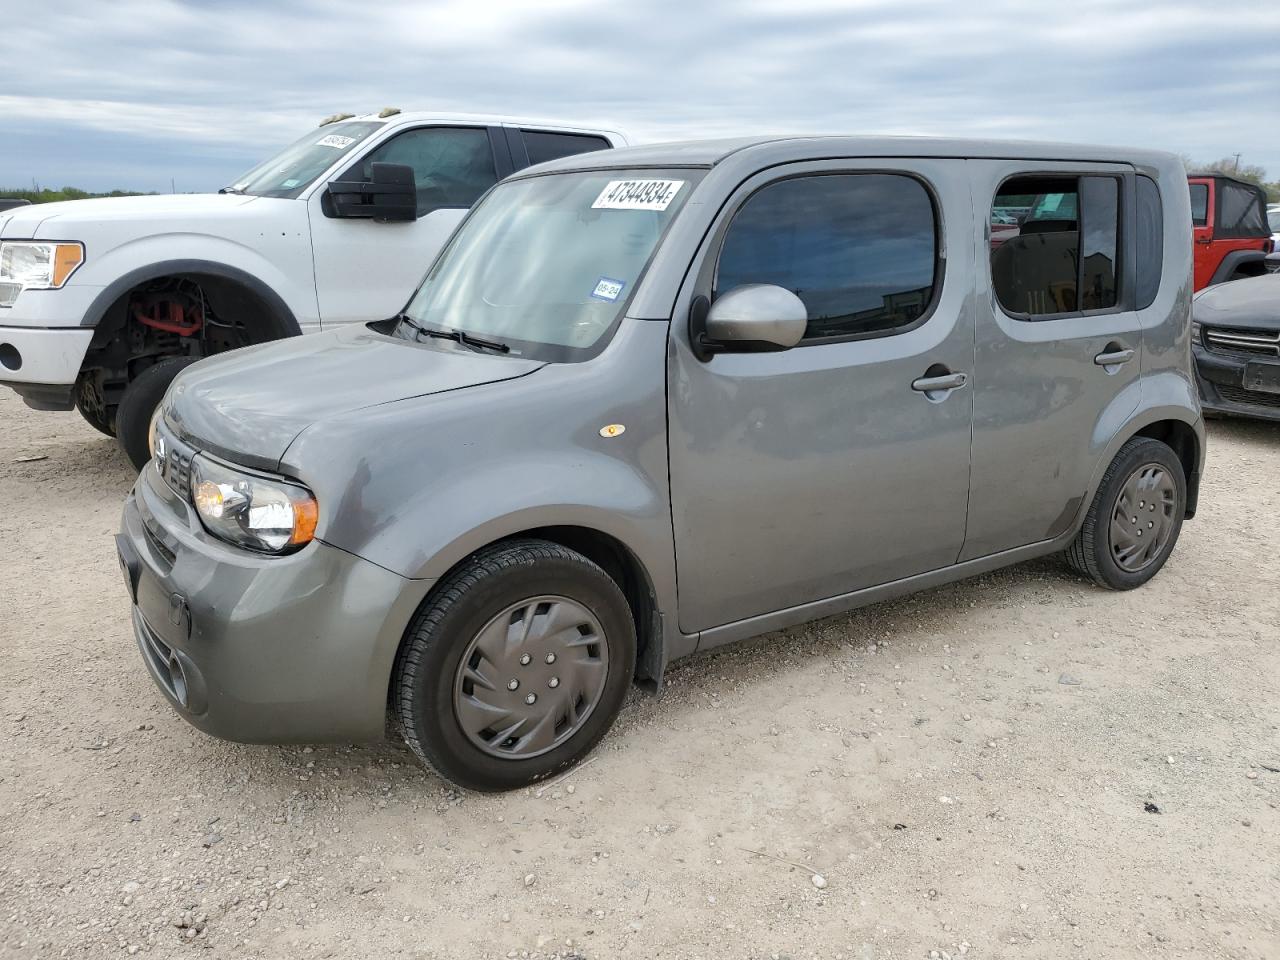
[
  {"x": 1135, "y": 518},
  {"x": 516, "y": 668},
  {"x": 138, "y": 405}
]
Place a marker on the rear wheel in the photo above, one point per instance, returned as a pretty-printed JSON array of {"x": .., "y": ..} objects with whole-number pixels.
[
  {"x": 516, "y": 668},
  {"x": 1135, "y": 518},
  {"x": 138, "y": 405}
]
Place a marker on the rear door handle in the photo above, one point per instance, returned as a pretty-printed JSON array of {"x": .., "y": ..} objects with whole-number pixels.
[
  {"x": 1113, "y": 358},
  {"x": 946, "y": 381}
]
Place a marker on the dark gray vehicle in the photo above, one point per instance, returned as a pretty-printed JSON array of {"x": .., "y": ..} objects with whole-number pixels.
[
  {"x": 657, "y": 400},
  {"x": 1235, "y": 339}
]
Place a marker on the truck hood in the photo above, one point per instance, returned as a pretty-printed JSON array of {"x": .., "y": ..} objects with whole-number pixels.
[
  {"x": 42, "y": 220},
  {"x": 1253, "y": 302},
  {"x": 248, "y": 406}
]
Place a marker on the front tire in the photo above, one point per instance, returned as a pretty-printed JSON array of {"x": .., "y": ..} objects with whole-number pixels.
[
  {"x": 138, "y": 405},
  {"x": 516, "y": 667},
  {"x": 1135, "y": 518}
]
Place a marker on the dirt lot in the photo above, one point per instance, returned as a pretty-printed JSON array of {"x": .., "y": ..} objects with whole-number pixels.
[{"x": 967, "y": 770}]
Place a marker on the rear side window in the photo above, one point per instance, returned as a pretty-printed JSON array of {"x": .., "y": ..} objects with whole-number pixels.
[
  {"x": 1149, "y": 227},
  {"x": 1199, "y": 204},
  {"x": 1241, "y": 211},
  {"x": 452, "y": 166},
  {"x": 1062, "y": 255},
  {"x": 860, "y": 250},
  {"x": 544, "y": 146}
]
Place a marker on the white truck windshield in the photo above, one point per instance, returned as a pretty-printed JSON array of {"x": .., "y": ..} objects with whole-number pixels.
[{"x": 293, "y": 169}]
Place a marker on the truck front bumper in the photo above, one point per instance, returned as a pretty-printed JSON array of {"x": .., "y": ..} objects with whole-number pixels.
[
  {"x": 42, "y": 364},
  {"x": 260, "y": 649}
]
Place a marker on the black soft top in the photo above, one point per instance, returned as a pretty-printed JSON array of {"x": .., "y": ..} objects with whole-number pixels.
[{"x": 1240, "y": 207}]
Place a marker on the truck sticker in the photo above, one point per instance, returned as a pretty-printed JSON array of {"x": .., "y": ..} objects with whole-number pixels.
[
  {"x": 335, "y": 140},
  {"x": 608, "y": 289},
  {"x": 637, "y": 194}
]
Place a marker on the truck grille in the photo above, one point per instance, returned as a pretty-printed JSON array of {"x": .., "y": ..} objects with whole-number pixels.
[{"x": 1243, "y": 343}]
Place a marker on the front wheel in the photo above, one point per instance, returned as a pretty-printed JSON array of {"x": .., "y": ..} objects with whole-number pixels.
[
  {"x": 138, "y": 406},
  {"x": 1134, "y": 520},
  {"x": 516, "y": 667}
]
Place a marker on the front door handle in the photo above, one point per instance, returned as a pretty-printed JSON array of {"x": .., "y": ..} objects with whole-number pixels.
[
  {"x": 1113, "y": 357},
  {"x": 940, "y": 384}
]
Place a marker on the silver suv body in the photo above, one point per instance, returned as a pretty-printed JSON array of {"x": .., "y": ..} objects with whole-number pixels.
[{"x": 659, "y": 399}]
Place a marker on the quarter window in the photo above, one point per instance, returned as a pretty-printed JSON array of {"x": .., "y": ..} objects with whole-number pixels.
[
  {"x": 860, "y": 250},
  {"x": 452, "y": 166},
  {"x": 1060, "y": 254},
  {"x": 1150, "y": 241}
]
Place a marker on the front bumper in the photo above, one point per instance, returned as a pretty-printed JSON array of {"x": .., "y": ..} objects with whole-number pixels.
[
  {"x": 260, "y": 649},
  {"x": 1221, "y": 382},
  {"x": 42, "y": 364}
]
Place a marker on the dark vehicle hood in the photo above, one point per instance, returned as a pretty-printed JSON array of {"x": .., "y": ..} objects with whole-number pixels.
[
  {"x": 248, "y": 405},
  {"x": 1253, "y": 302}
]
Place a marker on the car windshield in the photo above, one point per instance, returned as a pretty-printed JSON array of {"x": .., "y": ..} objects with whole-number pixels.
[
  {"x": 294, "y": 168},
  {"x": 546, "y": 265},
  {"x": 1273, "y": 218}
]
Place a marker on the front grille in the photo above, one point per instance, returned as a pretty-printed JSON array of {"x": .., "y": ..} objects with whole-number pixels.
[
  {"x": 1243, "y": 343},
  {"x": 1252, "y": 397},
  {"x": 173, "y": 461}
]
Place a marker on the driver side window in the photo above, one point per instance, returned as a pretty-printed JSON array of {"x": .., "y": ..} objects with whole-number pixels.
[{"x": 452, "y": 166}]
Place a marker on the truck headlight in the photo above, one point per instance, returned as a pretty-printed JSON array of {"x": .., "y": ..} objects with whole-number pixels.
[
  {"x": 269, "y": 516},
  {"x": 35, "y": 265}
]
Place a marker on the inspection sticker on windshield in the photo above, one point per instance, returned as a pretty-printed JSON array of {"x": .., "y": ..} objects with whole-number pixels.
[
  {"x": 637, "y": 195},
  {"x": 608, "y": 289},
  {"x": 334, "y": 140}
]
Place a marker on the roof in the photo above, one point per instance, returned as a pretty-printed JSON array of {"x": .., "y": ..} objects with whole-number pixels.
[
  {"x": 428, "y": 116},
  {"x": 1214, "y": 175},
  {"x": 781, "y": 149}
]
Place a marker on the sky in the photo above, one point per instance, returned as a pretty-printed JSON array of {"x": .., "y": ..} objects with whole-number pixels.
[{"x": 159, "y": 94}]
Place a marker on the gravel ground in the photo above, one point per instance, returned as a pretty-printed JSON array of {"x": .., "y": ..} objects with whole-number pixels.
[{"x": 1016, "y": 766}]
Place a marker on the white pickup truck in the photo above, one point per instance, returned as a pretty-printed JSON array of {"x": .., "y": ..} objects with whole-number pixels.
[{"x": 102, "y": 302}]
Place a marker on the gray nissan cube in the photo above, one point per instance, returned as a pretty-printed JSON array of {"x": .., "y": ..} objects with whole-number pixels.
[{"x": 654, "y": 400}]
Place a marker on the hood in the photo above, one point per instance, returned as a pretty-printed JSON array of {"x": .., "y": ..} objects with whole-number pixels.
[
  {"x": 25, "y": 222},
  {"x": 1253, "y": 302},
  {"x": 248, "y": 405}
]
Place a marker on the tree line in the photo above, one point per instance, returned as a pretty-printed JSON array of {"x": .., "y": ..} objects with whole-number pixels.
[{"x": 40, "y": 194}]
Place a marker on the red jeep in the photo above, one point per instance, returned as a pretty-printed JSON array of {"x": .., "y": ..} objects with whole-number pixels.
[{"x": 1229, "y": 223}]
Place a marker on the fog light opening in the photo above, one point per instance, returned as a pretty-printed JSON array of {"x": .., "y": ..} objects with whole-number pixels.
[
  {"x": 10, "y": 358},
  {"x": 178, "y": 681}
]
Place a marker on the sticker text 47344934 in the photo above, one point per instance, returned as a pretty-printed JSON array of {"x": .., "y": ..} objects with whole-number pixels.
[{"x": 637, "y": 194}]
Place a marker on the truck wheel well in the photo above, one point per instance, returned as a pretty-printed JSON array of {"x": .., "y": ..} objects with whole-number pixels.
[
  {"x": 172, "y": 315},
  {"x": 1180, "y": 438}
]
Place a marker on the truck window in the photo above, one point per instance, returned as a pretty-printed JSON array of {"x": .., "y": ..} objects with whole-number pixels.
[
  {"x": 860, "y": 250},
  {"x": 543, "y": 146},
  {"x": 452, "y": 166}
]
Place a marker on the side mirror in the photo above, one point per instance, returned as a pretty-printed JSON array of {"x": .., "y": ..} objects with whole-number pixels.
[
  {"x": 752, "y": 318},
  {"x": 392, "y": 194}
]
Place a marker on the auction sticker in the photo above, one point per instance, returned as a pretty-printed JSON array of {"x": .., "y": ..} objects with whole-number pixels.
[
  {"x": 334, "y": 140},
  {"x": 637, "y": 195},
  {"x": 608, "y": 289}
]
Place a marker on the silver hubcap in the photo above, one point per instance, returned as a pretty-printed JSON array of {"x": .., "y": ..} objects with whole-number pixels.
[
  {"x": 530, "y": 678},
  {"x": 1143, "y": 518}
]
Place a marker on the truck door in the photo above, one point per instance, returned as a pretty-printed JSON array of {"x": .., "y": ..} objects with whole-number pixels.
[{"x": 366, "y": 269}]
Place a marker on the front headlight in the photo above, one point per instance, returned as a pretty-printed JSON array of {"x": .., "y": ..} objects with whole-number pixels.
[
  {"x": 269, "y": 516},
  {"x": 35, "y": 265},
  {"x": 1195, "y": 332}
]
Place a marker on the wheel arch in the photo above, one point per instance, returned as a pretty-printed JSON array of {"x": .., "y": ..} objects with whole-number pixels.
[
  {"x": 282, "y": 316},
  {"x": 1179, "y": 427},
  {"x": 1253, "y": 262}
]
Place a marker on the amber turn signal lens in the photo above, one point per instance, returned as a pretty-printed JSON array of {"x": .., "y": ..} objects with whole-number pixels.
[
  {"x": 66, "y": 257},
  {"x": 305, "y": 516}
]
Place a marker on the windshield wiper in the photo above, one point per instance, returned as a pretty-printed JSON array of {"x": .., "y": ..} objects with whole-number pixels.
[
  {"x": 232, "y": 189},
  {"x": 457, "y": 336}
]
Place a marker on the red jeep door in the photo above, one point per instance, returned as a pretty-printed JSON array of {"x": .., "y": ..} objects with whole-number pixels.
[{"x": 1206, "y": 259}]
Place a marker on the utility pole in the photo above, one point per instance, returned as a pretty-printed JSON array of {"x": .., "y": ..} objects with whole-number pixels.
[
  {"x": 173, "y": 188},
  {"x": 1237, "y": 167}
]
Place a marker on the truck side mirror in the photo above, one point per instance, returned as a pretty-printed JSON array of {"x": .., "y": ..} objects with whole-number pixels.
[
  {"x": 392, "y": 194},
  {"x": 752, "y": 318}
]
